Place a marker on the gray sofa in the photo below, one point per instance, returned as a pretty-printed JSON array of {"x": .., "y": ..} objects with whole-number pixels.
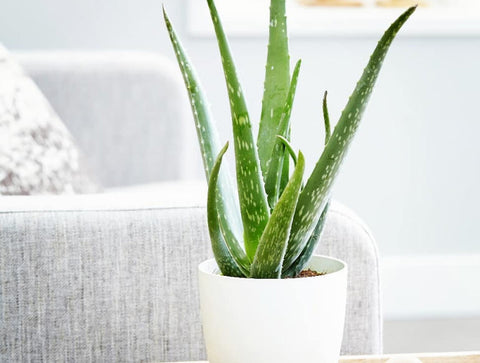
[{"x": 113, "y": 277}]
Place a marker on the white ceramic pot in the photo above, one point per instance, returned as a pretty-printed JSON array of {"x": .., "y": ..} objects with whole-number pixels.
[{"x": 274, "y": 321}]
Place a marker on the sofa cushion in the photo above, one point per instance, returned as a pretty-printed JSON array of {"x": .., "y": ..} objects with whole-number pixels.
[{"x": 37, "y": 153}]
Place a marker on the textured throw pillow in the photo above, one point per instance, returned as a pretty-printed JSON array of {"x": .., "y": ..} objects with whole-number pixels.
[{"x": 37, "y": 153}]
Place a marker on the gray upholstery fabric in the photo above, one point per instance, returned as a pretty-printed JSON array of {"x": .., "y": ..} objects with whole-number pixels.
[
  {"x": 127, "y": 111},
  {"x": 348, "y": 238},
  {"x": 117, "y": 284}
]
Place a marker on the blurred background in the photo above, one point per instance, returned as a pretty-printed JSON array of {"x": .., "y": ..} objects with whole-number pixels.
[{"x": 413, "y": 173}]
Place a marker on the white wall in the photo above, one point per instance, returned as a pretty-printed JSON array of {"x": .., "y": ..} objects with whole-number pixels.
[
  {"x": 91, "y": 24},
  {"x": 414, "y": 170}
]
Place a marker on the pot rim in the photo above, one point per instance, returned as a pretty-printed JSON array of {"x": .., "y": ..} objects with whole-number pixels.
[{"x": 204, "y": 268}]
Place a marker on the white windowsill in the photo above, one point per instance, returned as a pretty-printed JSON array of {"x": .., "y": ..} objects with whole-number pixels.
[{"x": 249, "y": 18}]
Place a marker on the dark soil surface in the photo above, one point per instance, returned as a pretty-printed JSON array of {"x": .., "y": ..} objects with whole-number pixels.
[{"x": 309, "y": 273}]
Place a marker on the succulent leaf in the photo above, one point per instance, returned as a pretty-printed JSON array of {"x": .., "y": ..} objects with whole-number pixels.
[
  {"x": 273, "y": 243},
  {"x": 206, "y": 130},
  {"x": 251, "y": 191},
  {"x": 277, "y": 81},
  {"x": 310, "y": 247},
  {"x": 326, "y": 119},
  {"x": 276, "y": 165},
  {"x": 228, "y": 263},
  {"x": 312, "y": 243},
  {"x": 227, "y": 203},
  {"x": 285, "y": 171},
  {"x": 313, "y": 197},
  {"x": 280, "y": 244},
  {"x": 288, "y": 147}
]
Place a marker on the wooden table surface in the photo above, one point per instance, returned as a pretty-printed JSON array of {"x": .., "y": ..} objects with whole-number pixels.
[{"x": 465, "y": 357}]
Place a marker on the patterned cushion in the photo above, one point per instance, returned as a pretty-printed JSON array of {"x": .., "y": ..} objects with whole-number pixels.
[{"x": 37, "y": 153}]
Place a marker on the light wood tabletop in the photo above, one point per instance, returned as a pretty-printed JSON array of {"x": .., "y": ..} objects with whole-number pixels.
[{"x": 464, "y": 357}]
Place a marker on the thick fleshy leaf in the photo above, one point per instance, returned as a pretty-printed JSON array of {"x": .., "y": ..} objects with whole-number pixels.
[
  {"x": 302, "y": 260},
  {"x": 276, "y": 163},
  {"x": 229, "y": 263},
  {"x": 285, "y": 171},
  {"x": 227, "y": 204},
  {"x": 314, "y": 196},
  {"x": 251, "y": 192},
  {"x": 273, "y": 244},
  {"x": 326, "y": 118},
  {"x": 314, "y": 239},
  {"x": 288, "y": 147},
  {"x": 206, "y": 130},
  {"x": 277, "y": 81},
  {"x": 310, "y": 247}
]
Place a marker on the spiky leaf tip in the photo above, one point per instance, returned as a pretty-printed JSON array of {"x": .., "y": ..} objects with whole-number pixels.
[
  {"x": 251, "y": 191},
  {"x": 314, "y": 196},
  {"x": 227, "y": 204},
  {"x": 277, "y": 82}
]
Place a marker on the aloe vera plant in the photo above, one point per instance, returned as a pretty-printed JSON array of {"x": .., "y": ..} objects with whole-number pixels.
[{"x": 278, "y": 217}]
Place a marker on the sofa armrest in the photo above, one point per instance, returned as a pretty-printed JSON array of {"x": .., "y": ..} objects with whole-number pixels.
[
  {"x": 102, "y": 278},
  {"x": 113, "y": 277},
  {"x": 348, "y": 238}
]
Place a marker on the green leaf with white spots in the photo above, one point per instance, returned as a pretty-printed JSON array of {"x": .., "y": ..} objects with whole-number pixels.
[
  {"x": 305, "y": 256},
  {"x": 228, "y": 262},
  {"x": 206, "y": 131},
  {"x": 302, "y": 260},
  {"x": 227, "y": 204},
  {"x": 277, "y": 81},
  {"x": 277, "y": 151},
  {"x": 273, "y": 244},
  {"x": 288, "y": 147},
  {"x": 313, "y": 197},
  {"x": 253, "y": 200}
]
